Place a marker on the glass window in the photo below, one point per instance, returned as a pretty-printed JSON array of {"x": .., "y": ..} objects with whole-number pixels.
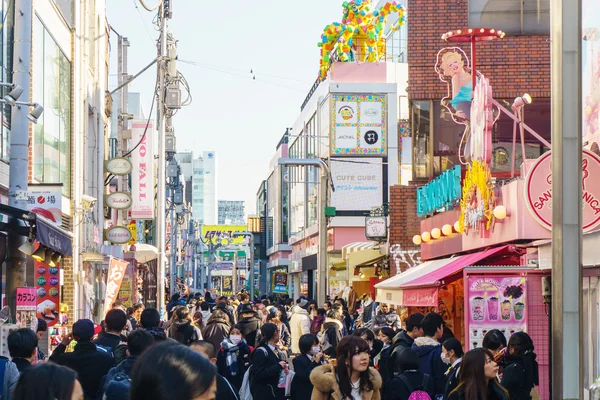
[
  {"x": 421, "y": 128},
  {"x": 511, "y": 16},
  {"x": 52, "y": 133},
  {"x": 446, "y": 139},
  {"x": 66, "y": 8}
]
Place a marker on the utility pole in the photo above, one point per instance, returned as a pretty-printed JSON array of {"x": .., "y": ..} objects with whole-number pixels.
[
  {"x": 567, "y": 304},
  {"x": 19, "y": 146}
]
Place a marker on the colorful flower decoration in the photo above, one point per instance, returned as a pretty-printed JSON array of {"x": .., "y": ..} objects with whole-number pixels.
[
  {"x": 359, "y": 37},
  {"x": 478, "y": 199}
]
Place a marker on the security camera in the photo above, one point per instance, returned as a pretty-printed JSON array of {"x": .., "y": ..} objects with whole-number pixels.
[
  {"x": 12, "y": 97},
  {"x": 37, "y": 111},
  {"x": 88, "y": 202}
]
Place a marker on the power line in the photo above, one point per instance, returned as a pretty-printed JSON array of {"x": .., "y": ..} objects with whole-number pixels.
[
  {"x": 252, "y": 72},
  {"x": 143, "y": 20},
  {"x": 151, "y": 8}
]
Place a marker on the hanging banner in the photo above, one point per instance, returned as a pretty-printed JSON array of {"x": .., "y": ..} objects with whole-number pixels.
[
  {"x": 142, "y": 177},
  {"x": 116, "y": 272},
  {"x": 46, "y": 201},
  {"x": 26, "y": 305},
  {"x": 47, "y": 286},
  {"x": 495, "y": 302}
]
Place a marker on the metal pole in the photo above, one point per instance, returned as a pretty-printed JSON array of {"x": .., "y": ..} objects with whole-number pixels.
[
  {"x": 161, "y": 189},
  {"x": 234, "y": 279},
  {"x": 322, "y": 265},
  {"x": 567, "y": 332},
  {"x": 251, "y": 243},
  {"x": 19, "y": 145},
  {"x": 124, "y": 125}
]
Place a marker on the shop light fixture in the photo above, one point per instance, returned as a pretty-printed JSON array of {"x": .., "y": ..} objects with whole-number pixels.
[
  {"x": 417, "y": 240},
  {"x": 501, "y": 212},
  {"x": 362, "y": 275},
  {"x": 447, "y": 229},
  {"x": 48, "y": 258},
  {"x": 27, "y": 247},
  {"x": 522, "y": 101},
  {"x": 39, "y": 254},
  {"x": 426, "y": 236},
  {"x": 436, "y": 233},
  {"x": 55, "y": 259},
  {"x": 457, "y": 227}
]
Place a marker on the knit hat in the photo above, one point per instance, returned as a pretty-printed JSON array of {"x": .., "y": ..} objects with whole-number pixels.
[{"x": 303, "y": 303}]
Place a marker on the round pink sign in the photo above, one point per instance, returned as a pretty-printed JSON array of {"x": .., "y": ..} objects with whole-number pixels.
[{"x": 538, "y": 190}]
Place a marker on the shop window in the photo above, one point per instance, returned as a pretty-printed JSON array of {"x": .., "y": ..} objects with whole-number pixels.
[
  {"x": 421, "y": 128},
  {"x": 447, "y": 135},
  {"x": 528, "y": 17}
]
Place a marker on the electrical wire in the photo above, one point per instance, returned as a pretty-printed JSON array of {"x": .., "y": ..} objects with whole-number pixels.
[
  {"x": 143, "y": 20},
  {"x": 242, "y": 71},
  {"x": 160, "y": 2}
]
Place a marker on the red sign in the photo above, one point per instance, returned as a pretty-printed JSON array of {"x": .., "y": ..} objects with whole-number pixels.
[
  {"x": 538, "y": 190},
  {"x": 26, "y": 297},
  {"x": 47, "y": 286},
  {"x": 427, "y": 297}
]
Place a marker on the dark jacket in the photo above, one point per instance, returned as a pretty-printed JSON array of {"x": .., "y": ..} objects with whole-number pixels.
[
  {"x": 21, "y": 363},
  {"x": 112, "y": 388},
  {"x": 302, "y": 387},
  {"x": 265, "y": 375},
  {"x": 157, "y": 333},
  {"x": 452, "y": 380},
  {"x": 224, "y": 390},
  {"x": 216, "y": 330},
  {"x": 250, "y": 328},
  {"x": 514, "y": 380},
  {"x": 401, "y": 341},
  {"x": 494, "y": 393},
  {"x": 429, "y": 352},
  {"x": 385, "y": 366},
  {"x": 243, "y": 355},
  {"x": 110, "y": 341},
  {"x": 316, "y": 324},
  {"x": 183, "y": 331},
  {"x": 89, "y": 361},
  {"x": 333, "y": 335},
  {"x": 397, "y": 388}
]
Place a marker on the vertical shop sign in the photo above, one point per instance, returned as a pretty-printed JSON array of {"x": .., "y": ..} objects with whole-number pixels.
[
  {"x": 280, "y": 282},
  {"x": 46, "y": 201},
  {"x": 47, "y": 286},
  {"x": 142, "y": 176},
  {"x": 495, "y": 302},
  {"x": 116, "y": 272},
  {"x": 26, "y": 305}
]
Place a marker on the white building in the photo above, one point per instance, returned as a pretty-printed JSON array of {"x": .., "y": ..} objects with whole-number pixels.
[
  {"x": 200, "y": 176},
  {"x": 232, "y": 212}
]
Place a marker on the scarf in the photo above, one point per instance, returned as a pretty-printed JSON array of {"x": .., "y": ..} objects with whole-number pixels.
[{"x": 231, "y": 355}]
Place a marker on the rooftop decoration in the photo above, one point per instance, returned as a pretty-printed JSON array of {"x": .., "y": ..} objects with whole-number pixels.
[{"x": 360, "y": 35}]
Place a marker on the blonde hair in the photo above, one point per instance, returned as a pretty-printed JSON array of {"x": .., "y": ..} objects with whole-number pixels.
[{"x": 447, "y": 56}]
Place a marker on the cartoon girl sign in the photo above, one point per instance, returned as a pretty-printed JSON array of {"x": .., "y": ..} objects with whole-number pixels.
[{"x": 451, "y": 68}]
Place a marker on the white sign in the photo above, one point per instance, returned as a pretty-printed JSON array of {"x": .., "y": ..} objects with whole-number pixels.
[
  {"x": 118, "y": 235},
  {"x": 376, "y": 227},
  {"x": 358, "y": 183},
  {"x": 46, "y": 201},
  {"x": 142, "y": 178},
  {"x": 118, "y": 200},
  {"x": 118, "y": 166}
]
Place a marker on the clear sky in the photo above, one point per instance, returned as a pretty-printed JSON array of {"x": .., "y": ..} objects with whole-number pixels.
[{"x": 239, "y": 117}]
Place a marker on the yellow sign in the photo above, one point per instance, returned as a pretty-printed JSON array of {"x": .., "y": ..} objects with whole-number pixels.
[
  {"x": 478, "y": 199},
  {"x": 133, "y": 229},
  {"x": 225, "y": 234}
]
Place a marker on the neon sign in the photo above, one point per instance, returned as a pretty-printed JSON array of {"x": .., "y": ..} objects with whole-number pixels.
[{"x": 443, "y": 192}]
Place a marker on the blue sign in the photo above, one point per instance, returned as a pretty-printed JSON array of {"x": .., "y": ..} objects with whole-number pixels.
[{"x": 443, "y": 192}]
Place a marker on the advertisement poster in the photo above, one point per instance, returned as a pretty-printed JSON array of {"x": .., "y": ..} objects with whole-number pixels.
[
  {"x": 46, "y": 201},
  {"x": 47, "y": 286},
  {"x": 218, "y": 233},
  {"x": 495, "y": 302},
  {"x": 358, "y": 184},
  {"x": 142, "y": 176},
  {"x": 227, "y": 286},
  {"x": 116, "y": 272},
  {"x": 26, "y": 308},
  {"x": 280, "y": 282},
  {"x": 125, "y": 294}
]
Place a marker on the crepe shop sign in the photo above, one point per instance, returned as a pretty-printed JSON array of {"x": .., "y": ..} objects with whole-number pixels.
[
  {"x": 538, "y": 190},
  {"x": 118, "y": 235}
]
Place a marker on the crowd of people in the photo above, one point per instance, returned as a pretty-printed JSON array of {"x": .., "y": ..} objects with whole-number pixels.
[{"x": 237, "y": 349}]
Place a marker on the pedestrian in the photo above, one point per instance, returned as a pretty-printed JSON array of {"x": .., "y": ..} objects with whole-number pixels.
[
  {"x": 309, "y": 358},
  {"x": 42, "y": 328},
  {"x": 478, "y": 372},
  {"x": 116, "y": 384},
  {"x": 22, "y": 346},
  {"x": 182, "y": 329},
  {"x": 350, "y": 377},
  {"x": 283, "y": 316},
  {"x": 244, "y": 299},
  {"x": 8, "y": 378},
  {"x": 327, "y": 306},
  {"x": 495, "y": 341},
  {"x": 114, "y": 324},
  {"x": 386, "y": 316},
  {"x": 134, "y": 319},
  {"x": 318, "y": 319},
  {"x": 172, "y": 304},
  {"x": 405, "y": 338},
  {"x": 368, "y": 335},
  {"x": 285, "y": 339},
  {"x": 382, "y": 361},
  {"x": 250, "y": 324},
  {"x": 205, "y": 310},
  {"x": 217, "y": 328},
  {"x": 267, "y": 366},
  {"x": 430, "y": 351},
  {"x": 91, "y": 362},
  {"x": 446, "y": 334},
  {"x": 342, "y": 308},
  {"x": 299, "y": 323},
  {"x": 150, "y": 321},
  {"x": 225, "y": 390},
  {"x": 233, "y": 359},
  {"x": 172, "y": 371},
  {"x": 48, "y": 381},
  {"x": 521, "y": 371},
  {"x": 224, "y": 307},
  {"x": 452, "y": 353},
  {"x": 409, "y": 378},
  {"x": 331, "y": 334}
]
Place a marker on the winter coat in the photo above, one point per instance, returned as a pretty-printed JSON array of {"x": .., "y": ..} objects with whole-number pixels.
[
  {"x": 216, "y": 330},
  {"x": 250, "y": 329},
  {"x": 184, "y": 332},
  {"x": 332, "y": 334},
  {"x": 429, "y": 351},
  {"x": 452, "y": 379},
  {"x": 301, "y": 386},
  {"x": 157, "y": 333},
  {"x": 110, "y": 341},
  {"x": 299, "y": 325},
  {"x": 89, "y": 361},
  {"x": 390, "y": 319},
  {"x": 494, "y": 393},
  {"x": 123, "y": 368},
  {"x": 326, "y": 385},
  {"x": 285, "y": 339},
  {"x": 316, "y": 324},
  {"x": 11, "y": 377},
  {"x": 385, "y": 365},
  {"x": 243, "y": 355},
  {"x": 396, "y": 389},
  {"x": 265, "y": 375},
  {"x": 514, "y": 379},
  {"x": 205, "y": 316}
]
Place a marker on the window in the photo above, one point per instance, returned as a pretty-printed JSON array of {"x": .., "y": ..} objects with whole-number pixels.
[
  {"x": 66, "y": 8},
  {"x": 511, "y": 16},
  {"x": 52, "y": 133},
  {"x": 421, "y": 128}
]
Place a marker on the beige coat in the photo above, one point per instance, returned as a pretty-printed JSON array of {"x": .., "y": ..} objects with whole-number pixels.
[{"x": 325, "y": 384}]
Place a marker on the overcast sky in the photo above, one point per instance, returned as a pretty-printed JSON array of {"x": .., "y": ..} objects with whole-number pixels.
[{"x": 239, "y": 117}]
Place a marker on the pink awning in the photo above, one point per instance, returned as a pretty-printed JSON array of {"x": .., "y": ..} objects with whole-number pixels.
[{"x": 434, "y": 278}]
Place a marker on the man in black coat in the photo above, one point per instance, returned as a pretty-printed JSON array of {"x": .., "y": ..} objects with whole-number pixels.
[
  {"x": 114, "y": 323},
  {"x": 405, "y": 339},
  {"x": 89, "y": 361},
  {"x": 249, "y": 324}
]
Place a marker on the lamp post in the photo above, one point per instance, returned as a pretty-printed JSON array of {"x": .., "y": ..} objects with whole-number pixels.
[{"x": 322, "y": 253}]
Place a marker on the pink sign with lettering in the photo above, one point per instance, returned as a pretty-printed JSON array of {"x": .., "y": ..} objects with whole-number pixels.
[
  {"x": 142, "y": 175},
  {"x": 427, "y": 297},
  {"x": 538, "y": 190},
  {"x": 26, "y": 297}
]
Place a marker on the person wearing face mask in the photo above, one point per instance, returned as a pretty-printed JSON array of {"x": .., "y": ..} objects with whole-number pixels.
[
  {"x": 234, "y": 357},
  {"x": 310, "y": 357},
  {"x": 452, "y": 353}
]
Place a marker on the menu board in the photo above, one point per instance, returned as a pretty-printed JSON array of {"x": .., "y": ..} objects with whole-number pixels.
[
  {"x": 495, "y": 302},
  {"x": 47, "y": 285}
]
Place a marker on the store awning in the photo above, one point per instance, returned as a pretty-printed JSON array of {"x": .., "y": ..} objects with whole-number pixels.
[
  {"x": 372, "y": 262},
  {"x": 143, "y": 252},
  {"x": 436, "y": 277},
  {"x": 357, "y": 246},
  {"x": 53, "y": 237}
]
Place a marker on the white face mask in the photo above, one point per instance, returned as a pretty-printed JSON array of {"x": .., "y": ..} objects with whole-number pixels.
[
  {"x": 446, "y": 360},
  {"x": 235, "y": 339},
  {"x": 315, "y": 350}
]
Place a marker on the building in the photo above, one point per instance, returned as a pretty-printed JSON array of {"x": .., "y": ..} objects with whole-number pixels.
[
  {"x": 186, "y": 164},
  {"x": 232, "y": 212},
  {"x": 204, "y": 188}
]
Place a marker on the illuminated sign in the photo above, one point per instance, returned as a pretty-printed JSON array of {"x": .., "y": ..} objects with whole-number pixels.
[{"x": 441, "y": 193}]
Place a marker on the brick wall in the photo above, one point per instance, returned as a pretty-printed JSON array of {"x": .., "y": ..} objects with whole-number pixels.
[
  {"x": 404, "y": 224},
  {"x": 515, "y": 64}
]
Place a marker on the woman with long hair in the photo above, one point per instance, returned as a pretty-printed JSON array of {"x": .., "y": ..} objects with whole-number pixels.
[
  {"x": 285, "y": 339},
  {"x": 478, "y": 381},
  {"x": 267, "y": 366},
  {"x": 182, "y": 329},
  {"x": 48, "y": 381},
  {"x": 495, "y": 341},
  {"x": 521, "y": 372},
  {"x": 350, "y": 377}
]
